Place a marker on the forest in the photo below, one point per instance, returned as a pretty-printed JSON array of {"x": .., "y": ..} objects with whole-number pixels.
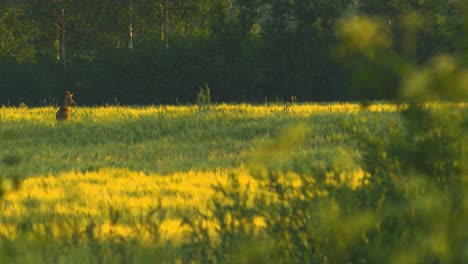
[{"x": 162, "y": 52}]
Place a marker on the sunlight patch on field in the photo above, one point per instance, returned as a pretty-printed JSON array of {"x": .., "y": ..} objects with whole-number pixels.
[
  {"x": 116, "y": 187},
  {"x": 46, "y": 115},
  {"x": 58, "y": 204},
  {"x": 89, "y": 195}
]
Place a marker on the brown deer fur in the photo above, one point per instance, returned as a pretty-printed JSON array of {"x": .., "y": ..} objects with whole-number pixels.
[{"x": 64, "y": 112}]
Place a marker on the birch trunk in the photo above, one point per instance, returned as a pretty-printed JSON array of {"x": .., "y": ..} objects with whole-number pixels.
[
  {"x": 166, "y": 20},
  {"x": 162, "y": 28},
  {"x": 62, "y": 46},
  {"x": 130, "y": 28}
]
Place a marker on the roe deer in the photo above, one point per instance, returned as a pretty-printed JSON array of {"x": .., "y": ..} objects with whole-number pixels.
[{"x": 64, "y": 112}]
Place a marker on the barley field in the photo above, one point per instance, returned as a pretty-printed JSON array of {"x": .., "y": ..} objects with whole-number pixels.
[{"x": 222, "y": 183}]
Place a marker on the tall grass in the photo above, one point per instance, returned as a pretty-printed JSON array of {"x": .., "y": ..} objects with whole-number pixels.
[{"x": 237, "y": 183}]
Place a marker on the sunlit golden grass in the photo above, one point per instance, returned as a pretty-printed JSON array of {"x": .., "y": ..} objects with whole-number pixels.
[
  {"x": 77, "y": 196},
  {"x": 44, "y": 114}
]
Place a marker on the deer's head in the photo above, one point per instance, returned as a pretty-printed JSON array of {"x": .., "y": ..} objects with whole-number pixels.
[{"x": 68, "y": 101}]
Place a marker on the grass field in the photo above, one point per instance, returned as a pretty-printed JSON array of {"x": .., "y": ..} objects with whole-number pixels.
[{"x": 118, "y": 184}]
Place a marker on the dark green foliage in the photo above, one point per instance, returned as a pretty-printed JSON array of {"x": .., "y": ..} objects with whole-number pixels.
[
  {"x": 417, "y": 186},
  {"x": 244, "y": 50}
]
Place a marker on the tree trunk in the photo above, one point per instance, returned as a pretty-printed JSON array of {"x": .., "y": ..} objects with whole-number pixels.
[
  {"x": 130, "y": 28},
  {"x": 62, "y": 43},
  {"x": 57, "y": 45},
  {"x": 60, "y": 53},
  {"x": 166, "y": 19}
]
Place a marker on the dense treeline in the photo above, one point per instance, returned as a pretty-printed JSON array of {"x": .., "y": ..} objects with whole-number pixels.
[{"x": 161, "y": 51}]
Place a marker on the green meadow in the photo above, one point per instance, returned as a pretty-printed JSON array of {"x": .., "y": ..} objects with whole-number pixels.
[
  {"x": 169, "y": 139},
  {"x": 228, "y": 183}
]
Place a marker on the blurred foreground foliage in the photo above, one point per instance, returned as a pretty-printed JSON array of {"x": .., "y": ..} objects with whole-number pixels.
[{"x": 411, "y": 206}]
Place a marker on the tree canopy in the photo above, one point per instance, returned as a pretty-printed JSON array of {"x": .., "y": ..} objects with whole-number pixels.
[{"x": 161, "y": 51}]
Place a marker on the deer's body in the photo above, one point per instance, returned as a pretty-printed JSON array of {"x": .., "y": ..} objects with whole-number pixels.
[{"x": 64, "y": 111}]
